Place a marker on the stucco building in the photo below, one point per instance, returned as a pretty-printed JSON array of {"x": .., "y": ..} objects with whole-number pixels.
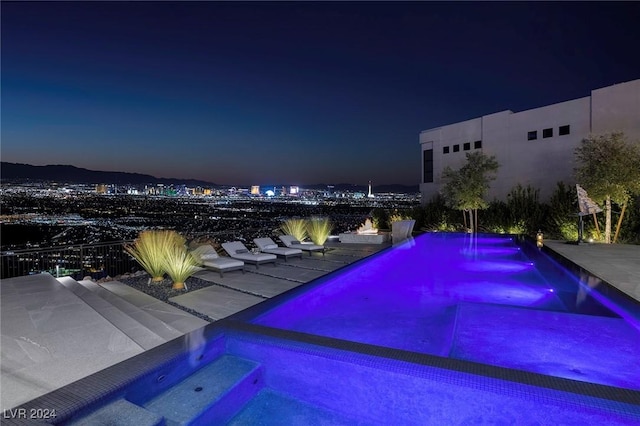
[{"x": 534, "y": 147}]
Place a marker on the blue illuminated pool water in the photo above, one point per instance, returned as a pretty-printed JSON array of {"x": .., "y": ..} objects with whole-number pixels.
[
  {"x": 486, "y": 299},
  {"x": 446, "y": 329}
]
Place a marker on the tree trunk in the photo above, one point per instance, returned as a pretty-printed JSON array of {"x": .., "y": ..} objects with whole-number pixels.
[
  {"x": 595, "y": 222},
  {"x": 615, "y": 237},
  {"x": 476, "y": 227},
  {"x": 607, "y": 222},
  {"x": 464, "y": 217},
  {"x": 471, "y": 221}
]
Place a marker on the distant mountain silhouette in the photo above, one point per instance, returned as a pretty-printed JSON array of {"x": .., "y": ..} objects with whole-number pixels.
[{"x": 72, "y": 174}]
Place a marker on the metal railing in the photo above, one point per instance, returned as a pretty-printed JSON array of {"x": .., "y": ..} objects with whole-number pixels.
[{"x": 77, "y": 261}]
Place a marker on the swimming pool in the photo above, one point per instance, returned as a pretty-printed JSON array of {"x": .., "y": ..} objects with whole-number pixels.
[
  {"x": 487, "y": 299},
  {"x": 443, "y": 329}
]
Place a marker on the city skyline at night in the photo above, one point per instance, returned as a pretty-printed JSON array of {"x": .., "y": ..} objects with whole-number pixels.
[{"x": 295, "y": 93}]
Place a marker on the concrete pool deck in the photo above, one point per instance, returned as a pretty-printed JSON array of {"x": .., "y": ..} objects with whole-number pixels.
[
  {"x": 46, "y": 323},
  {"x": 617, "y": 264}
]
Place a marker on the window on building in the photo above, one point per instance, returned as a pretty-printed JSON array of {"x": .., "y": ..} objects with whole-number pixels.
[
  {"x": 564, "y": 130},
  {"x": 532, "y": 135},
  {"x": 445, "y": 150},
  {"x": 547, "y": 133},
  {"x": 427, "y": 165},
  {"x": 456, "y": 148},
  {"x": 477, "y": 145},
  {"x": 467, "y": 146}
]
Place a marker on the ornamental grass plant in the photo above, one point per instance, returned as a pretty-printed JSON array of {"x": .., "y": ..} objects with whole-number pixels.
[
  {"x": 319, "y": 229},
  {"x": 180, "y": 264},
  {"x": 150, "y": 248},
  {"x": 295, "y": 227}
]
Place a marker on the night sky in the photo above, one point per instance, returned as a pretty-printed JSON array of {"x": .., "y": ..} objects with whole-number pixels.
[{"x": 288, "y": 93}]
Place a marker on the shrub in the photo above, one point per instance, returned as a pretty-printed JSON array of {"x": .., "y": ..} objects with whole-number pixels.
[
  {"x": 319, "y": 229},
  {"x": 562, "y": 221},
  {"x": 149, "y": 249},
  {"x": 295, "y": 227},
  {"x": 436, "y": 216},
  {"x": 496, "y": 218},
  {"x": 443, "y": 225},
  {"x": 180, "y": 264},
  {"x": 525, "y": 210},
  {"x": 398, "y": 216},
  {"x": 380, "y": 218}
]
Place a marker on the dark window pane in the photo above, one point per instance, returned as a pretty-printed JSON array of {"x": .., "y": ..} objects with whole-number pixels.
[
  {"x": 564, "y": 130},
  {"x": 547, "y": 133},
  {"x": 456, "y": 148},
  {"x": 531, "y": 136},
  {"x": 427, "y": 164},
  {"x": 445, "y": 150},
  {"x": 467, "y": 146},
  {"x": 477, "y": 145}
]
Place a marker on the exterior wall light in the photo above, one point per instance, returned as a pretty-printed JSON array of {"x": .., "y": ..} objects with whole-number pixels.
[{"x": 539, "y": 239}]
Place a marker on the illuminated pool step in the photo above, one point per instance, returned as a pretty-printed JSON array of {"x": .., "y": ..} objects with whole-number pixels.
[
  {"x": 212, "y": 395},
  {"x": 273, "y": 408},
  {"x": 122, "y": 413}
]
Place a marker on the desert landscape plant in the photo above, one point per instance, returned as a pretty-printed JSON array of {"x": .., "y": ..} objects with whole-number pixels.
[
  {"x": 149, "y": 250},
  {"x": 319, "y": 229},
  {"x": 295, "y": 227},
  {"x": 180, "y": 264}
]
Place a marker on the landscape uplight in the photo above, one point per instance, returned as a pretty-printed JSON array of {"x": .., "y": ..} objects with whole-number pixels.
[{"x": 539, "y": 239}]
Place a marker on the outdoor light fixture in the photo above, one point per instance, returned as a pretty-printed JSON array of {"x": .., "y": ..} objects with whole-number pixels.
[{"x": 539, "y": 238}]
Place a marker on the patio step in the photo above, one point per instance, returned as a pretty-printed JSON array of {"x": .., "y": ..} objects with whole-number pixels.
[
  {"x": 174, "y": 317},
  {"x": 135, "y": 310},
  {"x": 212, "y": 395},
  {"x": 122, "y": 413},
  {"x": 162, "y": 330},
  {"x": 117, "y": 314}
]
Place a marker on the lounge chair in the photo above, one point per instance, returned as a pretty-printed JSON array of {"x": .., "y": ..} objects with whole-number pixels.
[
  {"x": 237, "y": 250},
  {"x": 210, "y": 259},
  {"x": 291, "y": 242},
  {"x": 267, "y": 245}
]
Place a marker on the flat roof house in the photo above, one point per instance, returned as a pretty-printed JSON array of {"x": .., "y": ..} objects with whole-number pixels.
[{"x": 534, "y": 147}]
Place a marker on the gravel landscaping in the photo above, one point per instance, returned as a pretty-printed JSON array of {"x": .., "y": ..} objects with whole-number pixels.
[{"x": 162, "y": 290}]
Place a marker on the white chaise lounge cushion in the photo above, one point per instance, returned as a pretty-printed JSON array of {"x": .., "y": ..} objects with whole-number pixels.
[
  {"x": 267, "y": 245},
  {"x": 290, "y": 241},
  {"x": 223, "y": 263},
  {"x": 232, "y": 250},
  {"x": 204, "y": 252}
]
